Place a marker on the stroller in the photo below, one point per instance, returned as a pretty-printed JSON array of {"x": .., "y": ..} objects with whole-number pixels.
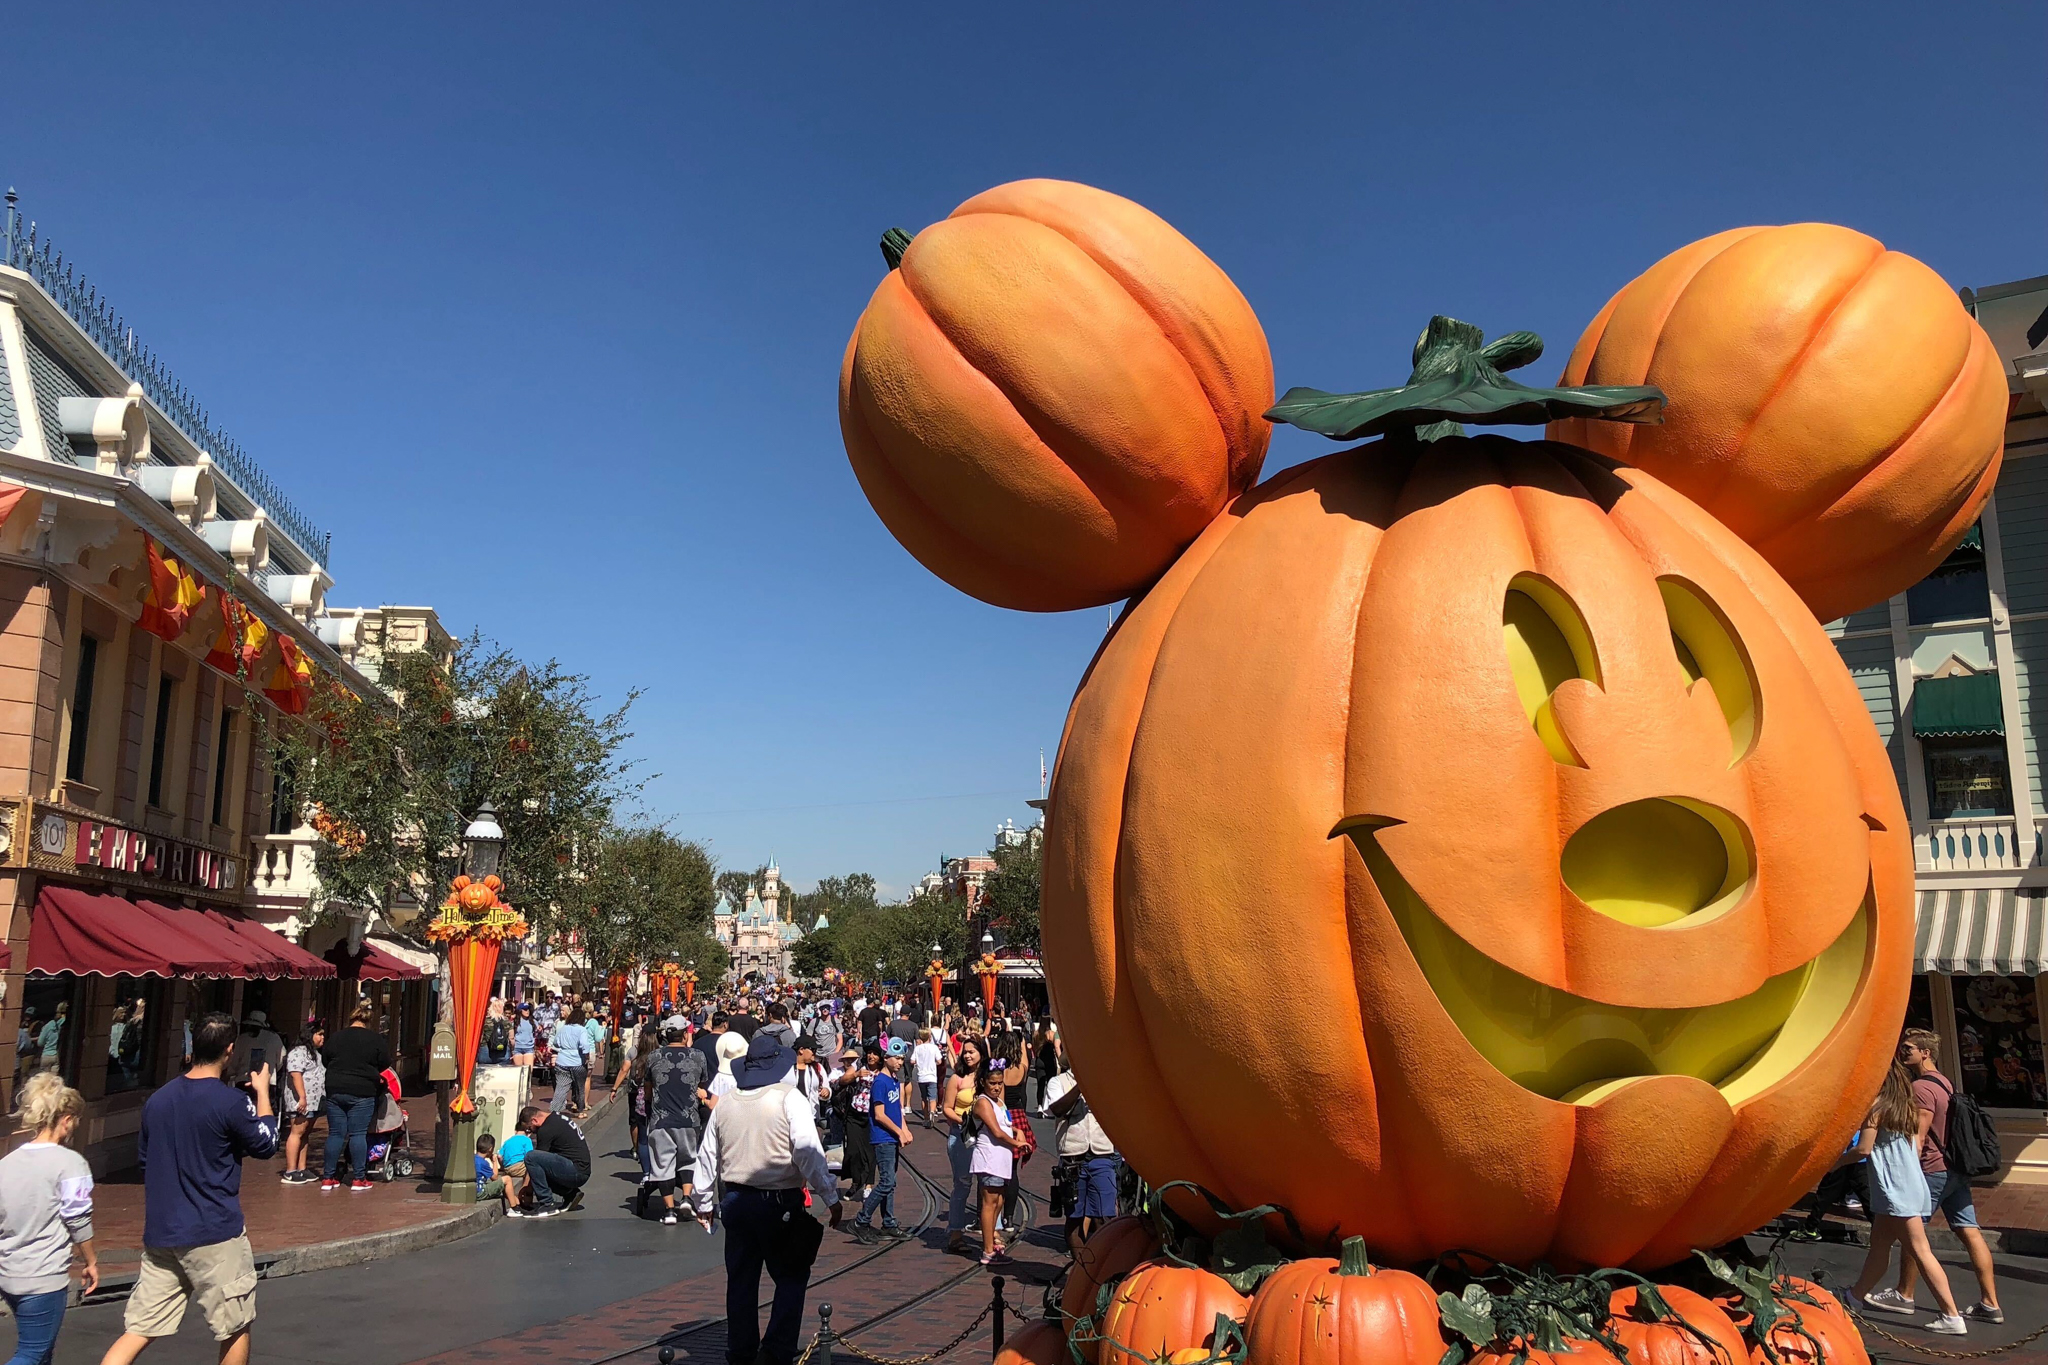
[{"x": 390, "y": 1152}]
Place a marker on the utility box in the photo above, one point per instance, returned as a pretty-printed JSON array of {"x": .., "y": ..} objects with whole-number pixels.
[{"x": 500, "y": 1093}]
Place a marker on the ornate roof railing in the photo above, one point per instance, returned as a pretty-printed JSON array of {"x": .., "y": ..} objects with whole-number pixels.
[{"x": 25, "y": 250}]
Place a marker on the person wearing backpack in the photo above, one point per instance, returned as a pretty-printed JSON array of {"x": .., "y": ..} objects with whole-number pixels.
[{"x": 1960, "y": 1143}]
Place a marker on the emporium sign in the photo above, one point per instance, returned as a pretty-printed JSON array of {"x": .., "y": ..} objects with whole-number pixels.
[{"x": 55, "y": 838}]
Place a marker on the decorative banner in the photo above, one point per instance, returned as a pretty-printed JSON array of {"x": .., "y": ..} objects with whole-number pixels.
[
  {"x": 615, "y": 985},
  {"x": 936, "y": 975},
  {"x": 171, "y": 597},
  {"x": 988, "y": 969},
  {"x": 242, "y": 638},
  {"x": 291, "y": 682},
  {"x": 472, "y": 967},
  {"x": 690, "y": 987},
  {"x": 474, "y": 923}
]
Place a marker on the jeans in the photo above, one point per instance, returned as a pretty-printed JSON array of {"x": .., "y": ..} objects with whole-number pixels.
[
  {"x": 36, "y": 1320},
  {"x": 568, "y": 1088},
  {"x": 766, "y": 1228},
  {"x": 552, "y": 1176},
  {"x": 959, "y": 1151},
  {"x": 883, "y": 1195},
  {"x": 348, "y": 1119}
]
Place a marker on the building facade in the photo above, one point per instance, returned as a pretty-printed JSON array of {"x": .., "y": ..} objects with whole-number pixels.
[
  {"x": 1955, "y": 673},
  {"x": 162, "y": 616}
]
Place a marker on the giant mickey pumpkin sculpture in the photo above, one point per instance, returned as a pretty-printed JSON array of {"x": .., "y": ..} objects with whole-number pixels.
[{"x": 1521, "y": 818}]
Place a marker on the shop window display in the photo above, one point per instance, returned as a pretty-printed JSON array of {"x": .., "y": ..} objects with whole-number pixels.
[
  {"x": 135, "y": 1040},
  {"x": 48, "y": 1037},
  {"x": 1920, "y": 1005},
  {"x": 1967, "y": 779},
  {"x": 1998, "y": 1036}
]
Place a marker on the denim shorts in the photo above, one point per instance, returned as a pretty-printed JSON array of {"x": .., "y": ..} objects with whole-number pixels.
[{"x": 1952, "y": 1198}]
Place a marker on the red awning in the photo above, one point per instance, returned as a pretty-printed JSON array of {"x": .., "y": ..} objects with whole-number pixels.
[
  {"x": 77, "y": 931},
  {"x": 371, "y": 964},
  {"x": 293, "y": 960}
]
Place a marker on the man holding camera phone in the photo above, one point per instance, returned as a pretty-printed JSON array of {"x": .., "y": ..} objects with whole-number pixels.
[{"x": 195, "y": 1248}]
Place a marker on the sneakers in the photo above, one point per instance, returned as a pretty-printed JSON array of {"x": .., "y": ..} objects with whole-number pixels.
[
  {"x": 668, "y": 1218},
  {"x": 1984, "y": 1312},
  {"x": 865, "y": 1235},
  {"x": 574, "y": 1202},
  {"x": 898, "y": 1233},
  {"x": 1891, "y": 1301},
  {"x": 1950, "y": 1326},
  {"x": 298, "y": 1177},
  {"x": 328, "y": 1186},
  {"x": 361, "y": 1187},
  {"x": 545, "y": 1211}
]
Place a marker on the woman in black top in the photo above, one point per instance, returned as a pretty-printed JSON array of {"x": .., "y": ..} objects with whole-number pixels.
[{"x": 356, "y": 1059}]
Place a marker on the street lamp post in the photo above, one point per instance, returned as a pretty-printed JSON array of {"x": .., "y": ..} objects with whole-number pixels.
[{"x": 483, "y": 844}]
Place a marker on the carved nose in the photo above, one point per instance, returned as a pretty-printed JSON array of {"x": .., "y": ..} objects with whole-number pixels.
[{"x": 1658, "y": 862}]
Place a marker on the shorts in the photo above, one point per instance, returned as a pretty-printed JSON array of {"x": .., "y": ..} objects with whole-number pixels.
[
  {"x": 1952, "y": 1198},
  {"x": 220, "y": 1278},
  {"x": 1096, "y": 1195},
  {"x": 930, "y": 1091},
  {"x": 671, "y": 1152},
  {"x": 991, "y": 1182},
  {"x": 490, "y": 1189}
]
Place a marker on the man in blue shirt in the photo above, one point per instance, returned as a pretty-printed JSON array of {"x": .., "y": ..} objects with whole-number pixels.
[
  {"x": 889, "y": 1136},
  {"x": 195, "y": 1131}
]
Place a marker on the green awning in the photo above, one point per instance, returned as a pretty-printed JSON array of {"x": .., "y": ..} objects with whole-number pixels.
[
  {"x": 1973, "y": 539},
  {"x": 1949, "y": 708}
]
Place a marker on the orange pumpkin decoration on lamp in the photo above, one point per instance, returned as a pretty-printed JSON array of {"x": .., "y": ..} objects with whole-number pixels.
[
  {"x": 1051, "y": 393},
  {"x": 1832, "y": 402},
  {"x": 1573, "y": 798}
]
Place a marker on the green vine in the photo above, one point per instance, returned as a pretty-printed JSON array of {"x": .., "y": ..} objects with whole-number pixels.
[{"x": 1764, "y": 1293}]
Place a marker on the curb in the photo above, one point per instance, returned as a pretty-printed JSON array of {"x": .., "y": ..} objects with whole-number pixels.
[{"x": 2002, "y": 1241}]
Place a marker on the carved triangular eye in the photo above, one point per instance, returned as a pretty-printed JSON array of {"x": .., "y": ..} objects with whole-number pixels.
[
  {"x": 1707, "y": 649},
  {"x": 1547, "y": 645}
]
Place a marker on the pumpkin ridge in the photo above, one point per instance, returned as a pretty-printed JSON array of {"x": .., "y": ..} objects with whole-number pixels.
[
  {"x": 1819, "y": 496},
  {"x": 1622, "y": 435},
  {"x": 1804, "y": 527},
  {"x": 933, "y": 526},
  {"x": 1139, "y": 507},
  {"x": 1709, "y": 498}
]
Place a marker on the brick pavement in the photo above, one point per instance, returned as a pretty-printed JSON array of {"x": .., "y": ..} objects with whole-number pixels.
[
  {"x": 281, "y": 1216},
  {"x": 857, "y": 1283}
]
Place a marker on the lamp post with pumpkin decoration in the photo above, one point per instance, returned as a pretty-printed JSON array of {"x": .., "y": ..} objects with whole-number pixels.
[
  {"x": 474, "y": 924},
  {"x": 988, "y": 969},
  {"x": 935, "y": 977},
  {"x": 690, "y": 983}
]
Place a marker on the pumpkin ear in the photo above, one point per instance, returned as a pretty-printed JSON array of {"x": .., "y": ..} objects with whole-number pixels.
[
  {"x": 1548, "y": 644},
  {"x": 1708, "y": 649}
]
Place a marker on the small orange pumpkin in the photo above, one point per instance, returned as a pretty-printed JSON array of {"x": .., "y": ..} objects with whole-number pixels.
[
  {"x": 1324, "y": 1312},
  {"x": 1653, "y": 1340},
  {"x": 1051, "y": 393},
  {"x": 1039, "y": 1343},
  {"x": 1831, "y": 402},
  {"x": 1161, "y": 1308},
  {"x": 1115, "y": 1249},
  {"x": 1822, "y": 1337},
  {"x": 476, "y": 897}
]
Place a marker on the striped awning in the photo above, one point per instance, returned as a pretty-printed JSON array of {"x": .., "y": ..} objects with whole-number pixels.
[{"x": 1983, "y": 931}]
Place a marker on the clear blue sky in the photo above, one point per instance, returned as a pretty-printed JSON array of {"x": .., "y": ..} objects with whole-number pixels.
[{"x": 539, "y": 308}]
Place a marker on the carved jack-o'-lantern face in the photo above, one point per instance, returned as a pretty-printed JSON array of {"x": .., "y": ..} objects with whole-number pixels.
[{"x": 1501, "y": 841}]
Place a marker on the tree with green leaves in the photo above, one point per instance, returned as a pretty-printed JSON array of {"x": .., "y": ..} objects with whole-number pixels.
[
  {"x": 834, "y": 898},
  {"x": 1010, "y": 893},
  {"x": 734, "y": 885},
  {"x": 394, "y": 777},
  {"x": 642, "y": 897}
]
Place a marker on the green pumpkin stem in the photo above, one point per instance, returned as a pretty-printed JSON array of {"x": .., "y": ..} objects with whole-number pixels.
[
  {"x": 1459, "y": 377},
  {"x": 1353, "y": 1259},
  {"x": 894, "y": 243}
]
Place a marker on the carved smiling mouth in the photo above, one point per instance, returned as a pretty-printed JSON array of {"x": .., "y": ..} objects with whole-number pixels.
[{"x": 1576, "y": 1050}]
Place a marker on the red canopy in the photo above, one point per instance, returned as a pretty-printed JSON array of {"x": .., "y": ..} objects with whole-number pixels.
[
  {"x": 77, "y": 931},
  {"x": 295, "y": 960},
  {"x": 371, "y": 964}
]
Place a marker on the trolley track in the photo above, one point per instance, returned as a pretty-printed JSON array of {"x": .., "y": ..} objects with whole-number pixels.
[{"x": 936, "y": 1199}]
